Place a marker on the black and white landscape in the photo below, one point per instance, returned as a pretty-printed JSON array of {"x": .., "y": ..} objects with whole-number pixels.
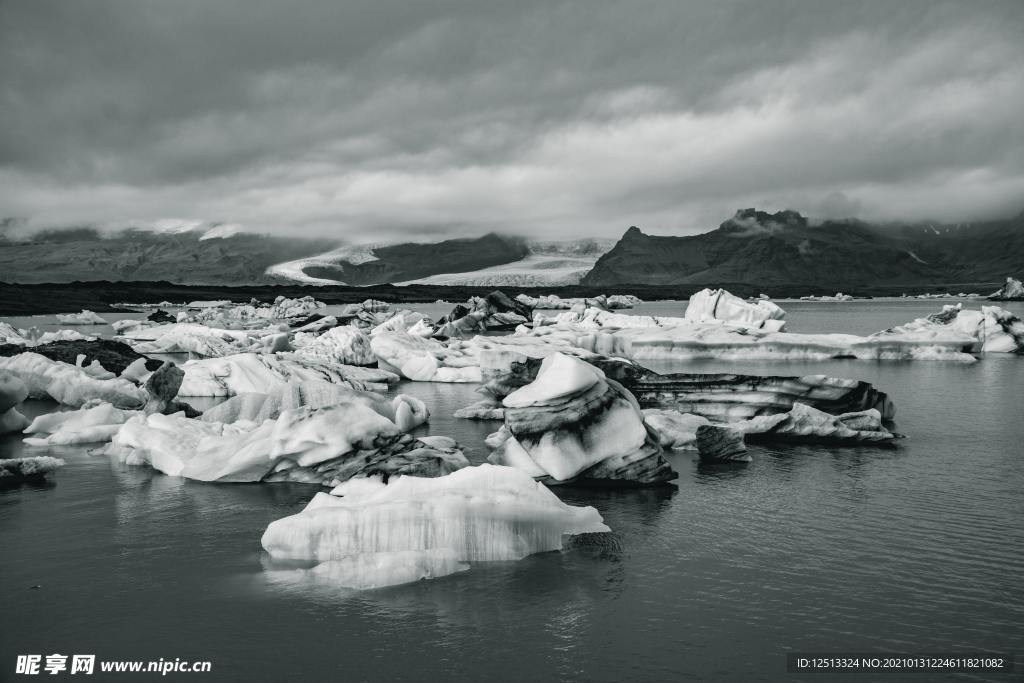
[{"x": 554, "y": 341}]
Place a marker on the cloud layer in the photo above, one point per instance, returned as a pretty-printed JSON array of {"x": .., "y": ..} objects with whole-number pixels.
[{"x": 378, "y": 119}]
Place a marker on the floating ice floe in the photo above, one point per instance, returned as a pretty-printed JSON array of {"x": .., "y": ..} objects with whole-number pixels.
[
  {"x": 572, "y": 423},
  {"x": 12, "y": 392},
  {"x": 258, "y": 373},
  {"x": 69, "y": 384},
  {"x": 83, "y": 318},
  {"x": 378, "y": 535},
  {"x": 325, "y": 446},
  {"x": 1012, "y": 289}
]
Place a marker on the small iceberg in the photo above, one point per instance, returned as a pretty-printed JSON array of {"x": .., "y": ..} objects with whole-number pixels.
[
  {"x": 378, "y": 534},
  {"x": 83, "y": 318}
]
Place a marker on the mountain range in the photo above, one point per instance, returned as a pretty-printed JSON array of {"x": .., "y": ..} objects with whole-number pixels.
[
  {"x": 785, "y": 248},
  {"x": 752, "y": 247}
]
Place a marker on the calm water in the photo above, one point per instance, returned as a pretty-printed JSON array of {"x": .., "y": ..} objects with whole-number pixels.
[{"x": 912, "y": 548}]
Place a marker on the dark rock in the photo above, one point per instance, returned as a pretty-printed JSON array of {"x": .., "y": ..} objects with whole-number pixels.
[
  {"x": 721, "y": 444},
  {"x": 113, "y": 355},
  {"x": 161, "y": 316},
  {"x": 163, "y": 386},
  {"x": 311, "y": 318}
]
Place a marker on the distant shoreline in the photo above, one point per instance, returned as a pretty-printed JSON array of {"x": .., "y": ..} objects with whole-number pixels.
[{"x": 35, "y": 299}]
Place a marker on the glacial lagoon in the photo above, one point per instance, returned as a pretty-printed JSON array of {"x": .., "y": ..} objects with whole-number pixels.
[{"x": 808, "y": 548}]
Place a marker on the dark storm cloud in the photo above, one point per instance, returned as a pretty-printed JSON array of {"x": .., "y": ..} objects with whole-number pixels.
[{"x": 383, "y": 119}]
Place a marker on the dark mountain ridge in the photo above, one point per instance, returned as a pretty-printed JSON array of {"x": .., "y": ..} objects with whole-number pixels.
[{"x": 785, "y": 248}]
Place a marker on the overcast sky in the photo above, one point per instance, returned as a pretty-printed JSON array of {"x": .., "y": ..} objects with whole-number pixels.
[{"x": 391, "y": 119}]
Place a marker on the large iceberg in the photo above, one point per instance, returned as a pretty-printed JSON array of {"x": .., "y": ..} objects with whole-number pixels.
[
  {"x": 717, "y": 304},
  {"x": 993, "y": 329},
  {"x": 377, "y": 535},
  {"x": 69, "y": 384},
  {"x": 259, "y": 373},
  {"x": 326, "y": 446},
  {"x": 574, "y": 424},
  {"x": 666, "y": 339},
  {"x": 199, "y": 341}
]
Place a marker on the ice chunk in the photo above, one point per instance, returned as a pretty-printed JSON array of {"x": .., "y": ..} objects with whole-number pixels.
[
  {"x": 675, "y": 430},
  {"x": 483, "y": 513},
  {"x": 424, "y": 360},
  {"x": 83, "y": 318},
  {"x": 718, "y": 304},
  {"x": 261, "y": 373},
  {"x": 325, "y": 445},
  {"x": 344, "y": 344},
  {"x": 94, "y": 422},
  {"x": 21, "y": 469},
  {"x": 572, "y": 423},
  {"x": 68, "y": 384}
]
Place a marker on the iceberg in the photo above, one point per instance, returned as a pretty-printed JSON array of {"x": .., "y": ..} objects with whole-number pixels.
[
  {"x": 227, "y": 313},
  {"x": 17, "y": 470},
  {"x": 345, "y": 344},
  {"x": 12, "y": 392},
  {"x": 424, "y": 360},
  {"x": 1012, "y": 290},
  {"x": 717, "y": 304},
  {"x": 492, "y": 312},
  {"x": 94, "y": 422},
  {"x": 415, "y": 527},
  {"x": 675, "y": 430},
  {"x": 83, "y": 318},
  {"x": 70, "y": 385},
  {"x": 405, "y": 411},
  {"x": 572, "y": 423},
  {"x": 664, "y": 339},
  {"x": 199, "y": 341},
  {"x": 259, "y": 373},
  {"x": 308, "y": 445},
  {"x": 720, "y": 397},
  {"x": 803, "y": 422},
  {"x": 839, "y": 296},
  {"x": 992, "y": 329},
  {"x": 719, "y": 444}
]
